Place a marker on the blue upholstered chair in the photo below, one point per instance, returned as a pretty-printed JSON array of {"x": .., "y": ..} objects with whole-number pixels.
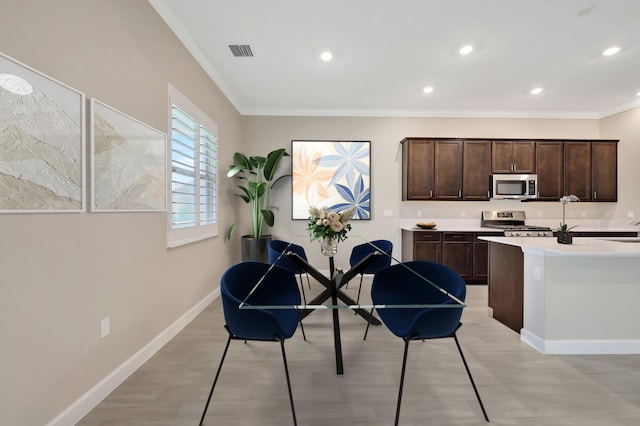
[
  {"x": 277, "y": 250},
  {"x": 404, "y": 284},
  {"x": 279, "y": 287},
  {"x": 359, "y": 252}
]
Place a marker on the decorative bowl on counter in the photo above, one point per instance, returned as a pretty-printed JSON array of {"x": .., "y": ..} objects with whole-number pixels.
[{"x": 430, "y": 225}]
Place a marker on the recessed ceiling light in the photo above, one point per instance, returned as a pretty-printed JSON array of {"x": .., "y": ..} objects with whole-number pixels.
[
  {"x": 536, "y": 91},
  {"x": 326, "y": 56},
  {"x": 427, "y": 89},
  {"x": 586, "y": 11},
  {"x": 611, "y": 51},
  {"x": 465, "y": 50},
  {"x": 15, "y": 84}
]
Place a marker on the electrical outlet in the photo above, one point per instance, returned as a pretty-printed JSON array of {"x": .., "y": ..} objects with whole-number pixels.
[
  {"x": 462, "y": 213},
  {"x": 105, "y": 327},
  {"x": 537, "y": 273},
  {"x": 419, "y": 213},
  {"x": 630, "y": 214},
  {"x": 539, "y": 213},
  {"x": 388, "y": 213},
  {"x": 583, "y": 214}
]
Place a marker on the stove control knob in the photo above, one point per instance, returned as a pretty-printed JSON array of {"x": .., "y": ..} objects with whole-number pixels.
[
  {"x": 541, "y": 233},
  {"x": 515, "y": 233},
  {"x": 530, "y": 234}
]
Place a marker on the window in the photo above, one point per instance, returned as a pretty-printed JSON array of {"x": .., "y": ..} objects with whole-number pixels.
[{"x": 194, "y": 173}]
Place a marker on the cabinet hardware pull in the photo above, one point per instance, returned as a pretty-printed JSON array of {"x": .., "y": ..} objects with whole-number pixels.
[
  {"x": 595, "y": 195},
  {"x": 430, "y": 193},
  {"x": 459, "y": 193}
]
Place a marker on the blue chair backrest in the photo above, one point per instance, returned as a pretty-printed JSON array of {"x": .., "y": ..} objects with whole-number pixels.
[
  {"x": 359, "y": 252},
  {"x": 404, "y": 284},
  {"x": 278, "y": 287},
  {"x": 277, "y": 247}
]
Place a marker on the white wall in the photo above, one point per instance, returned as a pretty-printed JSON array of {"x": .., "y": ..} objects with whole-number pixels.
[{"x": 60, "y": 274}]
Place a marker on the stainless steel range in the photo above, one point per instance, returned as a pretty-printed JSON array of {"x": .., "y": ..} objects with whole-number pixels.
[{"x": 512, "y": 222}]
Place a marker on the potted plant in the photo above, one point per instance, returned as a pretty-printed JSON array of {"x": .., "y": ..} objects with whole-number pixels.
[
  {"x": 563, "y": 231},
  {"x": 259, "y": 177}
]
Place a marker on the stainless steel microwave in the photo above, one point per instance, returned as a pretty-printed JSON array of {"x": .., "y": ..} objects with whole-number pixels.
[{"x": 514, "y": 187}]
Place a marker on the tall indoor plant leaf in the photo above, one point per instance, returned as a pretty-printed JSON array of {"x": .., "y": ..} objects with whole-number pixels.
[{"x": 257, "y": 177}]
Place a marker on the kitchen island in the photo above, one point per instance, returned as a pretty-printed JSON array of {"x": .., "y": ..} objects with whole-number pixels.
[{"x": 581, "y": 298}]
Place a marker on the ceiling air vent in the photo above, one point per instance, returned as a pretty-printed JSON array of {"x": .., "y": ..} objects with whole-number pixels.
[{"x": 241, "y": 50}]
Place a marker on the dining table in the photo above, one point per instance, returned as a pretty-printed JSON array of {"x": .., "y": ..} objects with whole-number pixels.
[{"x": 333, "y": 284}]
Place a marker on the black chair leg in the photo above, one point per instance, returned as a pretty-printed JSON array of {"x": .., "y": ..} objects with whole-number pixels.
[
  {"x": 359, "y": 289},
  {"x": 366, "y": 331},
  {"x": 286, "y": 372},
  {"x": 304, "y": 336},
  {"x": 224, "y": 354},
  {"x": 304, "y": 297},
  {"x": 404, "y": 367},
  {"x": 308, "y": 282},
  {"x": 455, "y": 337}
]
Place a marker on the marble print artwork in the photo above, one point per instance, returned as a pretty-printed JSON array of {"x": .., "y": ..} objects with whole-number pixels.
[
  {"x": 41, "y": 144},
  {"x": 128, "y": 162}
]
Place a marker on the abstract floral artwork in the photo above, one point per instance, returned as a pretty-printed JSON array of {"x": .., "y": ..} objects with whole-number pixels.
[
  {"x": 332, "y": 174},
  {"x": 42, "y": 140},
  {"x": 129, "y": 162}
]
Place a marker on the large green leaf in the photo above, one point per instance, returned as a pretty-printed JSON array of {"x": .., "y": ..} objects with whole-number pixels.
[
  {"x": 273, "y": 159},
  {"x": 269, "y": 217},
  {"x": 241, "y": 160}
]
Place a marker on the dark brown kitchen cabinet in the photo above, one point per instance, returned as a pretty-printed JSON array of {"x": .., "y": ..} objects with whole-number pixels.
[
  {"x": 417, "y": 162},
  {"x": 550, "y": 168},
  {"x": 461, "y": 251},
  {"x": 448, "y": 169},
  {"x": 421, "y": 245},
  {"x": 457, "y": 252},
  {"x": 577, "y": 169},
  {"x": 481, "y": 257},
  {"x": 513, "y": 157},
  {"x": 604, "y": 171},
  {"x": 476, "y": 169},
  {"x": 432, "y": 169}
]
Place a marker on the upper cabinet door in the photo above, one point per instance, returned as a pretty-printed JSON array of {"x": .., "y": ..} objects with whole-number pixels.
[
  {"x": 418, "y": 174},
  {"x": 501, "y": 157},
  {"x": 577, "y": 169},
  {"x": 524, "y": 157},
  {"x": 604, "y": 171},
  {"x": 513, "y": 157},
  {"x": 448, "y": 170},
  {"x": 550, "y": 167},
  {"x": 476, "y": 170}
]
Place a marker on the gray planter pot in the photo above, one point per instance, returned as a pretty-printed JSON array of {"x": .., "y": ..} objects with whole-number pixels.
[{"x": 255, "y": 249}]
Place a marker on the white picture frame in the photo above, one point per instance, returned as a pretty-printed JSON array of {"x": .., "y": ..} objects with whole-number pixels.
[
  {"x": 42, "y": 142},
  {"x": 128, "y": 162}
]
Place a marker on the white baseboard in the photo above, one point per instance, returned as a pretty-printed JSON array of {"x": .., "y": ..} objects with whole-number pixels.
[
  {"x": 581, "y": 347},
  {"x": 87, "y": 402}
]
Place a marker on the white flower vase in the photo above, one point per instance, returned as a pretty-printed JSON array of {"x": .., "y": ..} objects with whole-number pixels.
[{"x": 329, "y": 246}]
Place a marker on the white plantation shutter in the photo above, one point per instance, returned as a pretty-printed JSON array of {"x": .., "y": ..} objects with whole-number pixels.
[{"x": 194, "y": 164}]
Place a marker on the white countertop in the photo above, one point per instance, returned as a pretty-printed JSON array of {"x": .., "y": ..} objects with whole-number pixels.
[
  {"x": 581, "y": 247},
  {"x": 473, "y": 225}
]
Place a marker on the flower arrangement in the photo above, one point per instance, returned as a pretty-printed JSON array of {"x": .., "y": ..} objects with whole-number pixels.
[
  {"x": 563, "y": 228},
  {"x": 324, "y": 223}
]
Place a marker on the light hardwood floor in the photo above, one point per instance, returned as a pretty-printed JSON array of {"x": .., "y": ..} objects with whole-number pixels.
[{"x": 519, "y": 386}]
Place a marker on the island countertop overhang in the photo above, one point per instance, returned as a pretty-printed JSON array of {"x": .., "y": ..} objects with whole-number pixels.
[{"x": 581, "y": 247}]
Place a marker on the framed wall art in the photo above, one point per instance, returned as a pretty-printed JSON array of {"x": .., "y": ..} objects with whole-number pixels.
[
  {"x": 128, "y": 159},
  {"x": 42, "y": 142},
  {"x": 333, "y": 174}
]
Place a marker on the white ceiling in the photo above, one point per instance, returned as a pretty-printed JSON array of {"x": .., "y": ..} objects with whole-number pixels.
[{"x": 386, "y": 51}]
